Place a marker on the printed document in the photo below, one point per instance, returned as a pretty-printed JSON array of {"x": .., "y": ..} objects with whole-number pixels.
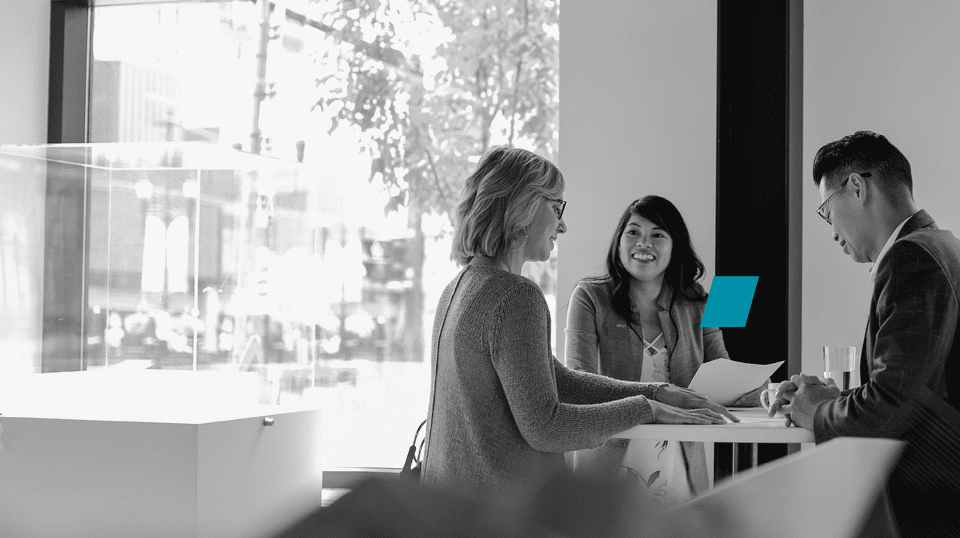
[{"x": 724, "y": 381}]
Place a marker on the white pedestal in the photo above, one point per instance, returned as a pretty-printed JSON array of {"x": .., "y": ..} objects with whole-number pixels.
[{"x": 219, "y": 472}]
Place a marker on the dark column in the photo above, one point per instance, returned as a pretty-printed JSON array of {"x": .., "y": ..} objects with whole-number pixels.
[
  {"x": 759, "y": 169},
  {"x": 759, "y": 180},
  {"x": 66, "y": 234}
]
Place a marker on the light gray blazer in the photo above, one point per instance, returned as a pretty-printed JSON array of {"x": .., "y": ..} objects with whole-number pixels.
[{"x": 598, "y": 340}]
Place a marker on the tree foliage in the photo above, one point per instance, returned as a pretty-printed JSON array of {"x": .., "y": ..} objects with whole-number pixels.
[
  {"x": 434, "y": 84},
  {"x": 489, "y": 79}
]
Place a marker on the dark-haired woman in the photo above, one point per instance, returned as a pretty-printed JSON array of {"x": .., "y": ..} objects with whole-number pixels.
[
  {"x": 641, "y": 322},
  {"x": 503, "y": 410}
]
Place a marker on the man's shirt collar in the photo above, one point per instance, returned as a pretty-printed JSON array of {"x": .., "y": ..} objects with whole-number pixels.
[{"x": 887, "y": 245}]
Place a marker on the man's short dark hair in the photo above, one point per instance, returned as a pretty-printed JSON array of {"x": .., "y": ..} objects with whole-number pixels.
[{"x": 864, "y": 151}]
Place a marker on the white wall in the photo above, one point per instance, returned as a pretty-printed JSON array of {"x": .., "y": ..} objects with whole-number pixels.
[
  {"x": 638, "y": 116},
  {"x": 892, "y": 67},
  {"x": 24, "y": 57}
]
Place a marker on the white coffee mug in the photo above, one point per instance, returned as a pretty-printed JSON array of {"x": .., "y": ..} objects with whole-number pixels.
[{"x": 768, "y": 396}]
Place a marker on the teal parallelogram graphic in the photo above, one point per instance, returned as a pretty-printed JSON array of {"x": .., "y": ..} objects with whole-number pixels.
[{"x": 729, "y": 302}]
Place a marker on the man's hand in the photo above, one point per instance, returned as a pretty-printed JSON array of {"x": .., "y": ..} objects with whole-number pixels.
[
  {"x": 799, "y": 398},
  {"x": 687, "y": 399},
  {"x": 778, "y": 400},
  {"x": 788, "y": 388}
]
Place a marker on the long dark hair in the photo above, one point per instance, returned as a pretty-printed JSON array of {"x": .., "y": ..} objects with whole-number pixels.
[{"x": 684, "y": 270}]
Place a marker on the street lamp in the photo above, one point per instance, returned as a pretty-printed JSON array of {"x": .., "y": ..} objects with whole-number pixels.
[
  {"x": 191, "y": 193},
  {"x": 191, "y": 189},
  {"x": 144, "y": 190}
]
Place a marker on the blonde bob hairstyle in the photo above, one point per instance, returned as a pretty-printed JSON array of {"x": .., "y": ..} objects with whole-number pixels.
[{"x": 499, "y": 200}]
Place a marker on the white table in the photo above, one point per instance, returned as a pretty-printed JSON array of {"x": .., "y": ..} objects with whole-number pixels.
[{"x": 754, "y": 427}]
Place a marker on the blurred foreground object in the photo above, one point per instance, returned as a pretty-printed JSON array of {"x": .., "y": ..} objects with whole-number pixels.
[
  {"x": 563, "y": 506},
  {"x": 833, "y": 490}
]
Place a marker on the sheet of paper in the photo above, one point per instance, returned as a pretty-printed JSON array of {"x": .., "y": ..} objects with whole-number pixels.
[{"x": 724, "y": 381}]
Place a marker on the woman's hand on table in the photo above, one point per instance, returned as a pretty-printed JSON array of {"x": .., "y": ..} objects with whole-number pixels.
[
  {"x": 668, "y": 414},
  {"x": 686, "y": 399},
  {"x": 752, "y": 398}
]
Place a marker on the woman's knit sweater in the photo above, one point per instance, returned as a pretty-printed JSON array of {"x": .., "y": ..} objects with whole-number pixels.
[{"x": 503, "y": 410}]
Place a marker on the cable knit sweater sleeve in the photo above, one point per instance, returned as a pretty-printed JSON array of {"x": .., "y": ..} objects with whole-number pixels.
[
  {"x": 579, "y": 387},
  {"x": 519, "y": 340}
]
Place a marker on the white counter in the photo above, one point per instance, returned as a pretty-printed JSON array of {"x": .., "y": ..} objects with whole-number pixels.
[{"x": 157, "y": 467}]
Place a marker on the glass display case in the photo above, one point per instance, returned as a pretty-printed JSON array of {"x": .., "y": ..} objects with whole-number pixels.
[
  {"x": 163, "y": 308},
  {"x": 171, "y": 256}
]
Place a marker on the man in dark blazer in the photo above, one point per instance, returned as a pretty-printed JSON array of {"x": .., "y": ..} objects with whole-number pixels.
[{"x": 909, "y": 366}]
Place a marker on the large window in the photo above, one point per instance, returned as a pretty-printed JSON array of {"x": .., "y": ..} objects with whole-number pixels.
[{"x": 391, "y": 103}]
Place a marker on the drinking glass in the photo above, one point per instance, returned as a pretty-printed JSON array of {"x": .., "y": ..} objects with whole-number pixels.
[{"x": 840, "y": 364}]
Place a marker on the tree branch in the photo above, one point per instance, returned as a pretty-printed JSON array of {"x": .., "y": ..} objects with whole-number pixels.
[
  {"x": 387, "y": 55},
  {"x": 444, "y": 201},
  {"x": 516, "y": 78}
]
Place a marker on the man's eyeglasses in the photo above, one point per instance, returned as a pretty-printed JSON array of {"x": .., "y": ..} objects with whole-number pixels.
[
  {"x": 822, "y": 209},
  {"x": 558, "y": 209}
]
